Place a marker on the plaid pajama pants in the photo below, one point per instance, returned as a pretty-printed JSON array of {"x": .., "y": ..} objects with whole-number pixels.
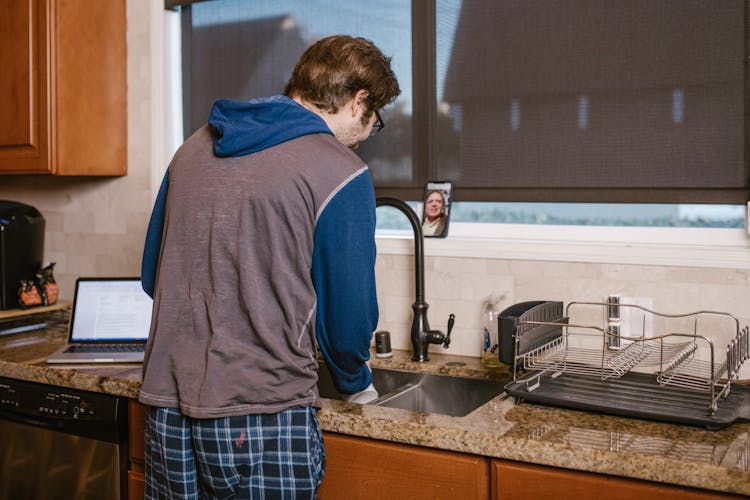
[{"x": 270, "y": 456}]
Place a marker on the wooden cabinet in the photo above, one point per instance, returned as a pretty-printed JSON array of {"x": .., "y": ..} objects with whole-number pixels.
[
  {"x": 512, "y": 480},
  {"x": 63, "y": 87},
  {"x": 136, "y": 445},
  {"x": 358, "y": 468},
  {"x": 136, "y": 485}
]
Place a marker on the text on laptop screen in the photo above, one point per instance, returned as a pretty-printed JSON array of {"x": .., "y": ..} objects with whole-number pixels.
[{"x": 111, "y": 310}]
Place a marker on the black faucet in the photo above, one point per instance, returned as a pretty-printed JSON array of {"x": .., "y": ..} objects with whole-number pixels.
[{"x": 421, "y": 335}]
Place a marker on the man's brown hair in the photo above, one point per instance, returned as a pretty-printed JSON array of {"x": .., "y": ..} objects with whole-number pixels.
[{"x": 335, "y": 68}]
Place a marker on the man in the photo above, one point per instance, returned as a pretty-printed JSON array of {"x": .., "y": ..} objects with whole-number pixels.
[{"x": 260, "y": 244}]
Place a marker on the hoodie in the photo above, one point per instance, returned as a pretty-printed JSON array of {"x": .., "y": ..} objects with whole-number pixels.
[
  {"x": 241, "y": 128},
  {"x": 260, "y": 247}
]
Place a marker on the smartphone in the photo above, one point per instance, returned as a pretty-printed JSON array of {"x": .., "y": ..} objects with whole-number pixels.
[{"x": 436, "y": 208}]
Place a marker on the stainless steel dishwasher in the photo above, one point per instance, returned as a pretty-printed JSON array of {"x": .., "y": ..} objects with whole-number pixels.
[{"x": 58, "y": 443}]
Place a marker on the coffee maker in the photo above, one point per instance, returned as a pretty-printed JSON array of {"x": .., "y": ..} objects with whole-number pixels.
[{"x": 21, "y": 248}]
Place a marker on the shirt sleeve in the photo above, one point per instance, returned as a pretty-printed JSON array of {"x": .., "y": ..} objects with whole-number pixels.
[
  {"x": 343, "y": 272},
  {"x": 152, "y": 246}
]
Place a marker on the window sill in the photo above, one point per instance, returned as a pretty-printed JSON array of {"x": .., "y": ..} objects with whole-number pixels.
[{"x": 688, "y": 247}]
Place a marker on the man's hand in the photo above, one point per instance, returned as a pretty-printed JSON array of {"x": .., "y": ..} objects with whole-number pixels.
[{"x": 369, "y": 395}]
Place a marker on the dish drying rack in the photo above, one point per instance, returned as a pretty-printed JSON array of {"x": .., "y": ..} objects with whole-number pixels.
[{"x": 676, "y": 375}]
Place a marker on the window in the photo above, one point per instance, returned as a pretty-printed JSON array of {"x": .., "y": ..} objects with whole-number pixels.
[
  {"x": 602, "y": 214},
  {"x": 596, "y": 101},
  {"x": 240, "y": 50},
  {"x": 523, "y": 105}
]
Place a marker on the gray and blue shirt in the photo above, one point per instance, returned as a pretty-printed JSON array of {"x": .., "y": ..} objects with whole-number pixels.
[{"x": 261, "y": 244}]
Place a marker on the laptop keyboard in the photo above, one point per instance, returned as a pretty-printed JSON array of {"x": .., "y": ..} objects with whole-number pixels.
[{"x": 108, "y": 348}]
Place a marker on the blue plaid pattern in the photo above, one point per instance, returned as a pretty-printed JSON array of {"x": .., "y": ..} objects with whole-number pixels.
[{"x": 274, "y": 456}]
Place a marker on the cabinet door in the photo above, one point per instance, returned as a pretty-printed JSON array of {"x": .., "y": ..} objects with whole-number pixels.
[
  {"x": 358, "y": 468},
  {"x": 512, "y": 480},
  {"x": 136, "y": 485},
  {"x": 90, "y": 47},
  {"x": 63, "y": 87},
  {"x": 136, "y": 433},
  {"x": 24, "y": 127}
]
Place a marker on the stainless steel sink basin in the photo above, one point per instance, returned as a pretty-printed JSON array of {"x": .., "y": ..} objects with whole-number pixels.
[
  {"x": 442, "y": 394},
  {"x": 385, "y": 381}
]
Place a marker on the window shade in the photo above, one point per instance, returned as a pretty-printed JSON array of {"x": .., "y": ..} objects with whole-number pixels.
[
  {"x": 517, "y": 100},
  {"x": 595, "y": 100}
]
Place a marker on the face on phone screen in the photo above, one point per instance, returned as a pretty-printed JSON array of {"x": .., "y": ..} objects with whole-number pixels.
[{"x": 436, "y": 205}]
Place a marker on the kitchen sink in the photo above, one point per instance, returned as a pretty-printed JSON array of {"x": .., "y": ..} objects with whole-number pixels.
[{"x": 425, "y": 392}]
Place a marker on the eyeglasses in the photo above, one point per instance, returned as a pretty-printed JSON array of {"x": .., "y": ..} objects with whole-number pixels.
[{"x": 378, "y": 125}]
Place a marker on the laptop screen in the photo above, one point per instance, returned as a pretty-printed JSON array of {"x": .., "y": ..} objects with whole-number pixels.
[{"x": 110, "y": 310}]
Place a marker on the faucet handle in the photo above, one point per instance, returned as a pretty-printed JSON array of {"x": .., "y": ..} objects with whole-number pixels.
[{"x": 447, "y": 341}]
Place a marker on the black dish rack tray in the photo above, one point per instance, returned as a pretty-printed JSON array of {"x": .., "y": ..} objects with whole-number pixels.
[
  {"x": 636, "y": 395},
  {"x": 677, "y": 376}
]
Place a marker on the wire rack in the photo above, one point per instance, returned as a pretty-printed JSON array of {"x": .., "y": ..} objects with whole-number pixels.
[{"x": 685, "y": 359}]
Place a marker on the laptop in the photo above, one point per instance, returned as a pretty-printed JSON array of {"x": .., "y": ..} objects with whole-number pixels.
[{"x": 109, "y": 323}]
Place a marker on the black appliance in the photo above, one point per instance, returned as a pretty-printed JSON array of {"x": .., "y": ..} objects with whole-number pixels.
[
  {"x": 21, "y": 248},
  {"x": 60, "y": 443}
]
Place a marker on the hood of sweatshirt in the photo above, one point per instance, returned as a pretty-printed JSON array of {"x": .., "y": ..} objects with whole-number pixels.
[{"x": 241, "y": 128}]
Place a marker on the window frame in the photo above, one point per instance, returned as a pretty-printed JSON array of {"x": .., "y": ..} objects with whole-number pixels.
[{"x": 717, "y": 248}]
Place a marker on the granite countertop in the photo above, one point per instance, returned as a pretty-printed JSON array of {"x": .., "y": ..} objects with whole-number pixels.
[{"x": 625, "y": 447}]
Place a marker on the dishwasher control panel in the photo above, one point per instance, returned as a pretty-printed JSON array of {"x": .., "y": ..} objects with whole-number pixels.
[
  {"x": 9, "y": 398},
  {"x": 50, "y": 402}
]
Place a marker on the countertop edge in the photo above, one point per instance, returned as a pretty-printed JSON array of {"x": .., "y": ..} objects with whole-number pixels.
[{"x": 674, "y": 472}]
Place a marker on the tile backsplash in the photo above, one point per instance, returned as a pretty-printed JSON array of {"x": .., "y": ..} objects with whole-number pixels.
[{"x": 460, "y": 286}]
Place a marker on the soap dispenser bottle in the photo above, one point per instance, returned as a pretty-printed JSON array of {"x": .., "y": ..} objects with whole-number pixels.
[{"x": 490, "y": 342}]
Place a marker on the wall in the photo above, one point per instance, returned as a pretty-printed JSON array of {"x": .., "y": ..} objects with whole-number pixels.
[{"x": 460, "y": 285}]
